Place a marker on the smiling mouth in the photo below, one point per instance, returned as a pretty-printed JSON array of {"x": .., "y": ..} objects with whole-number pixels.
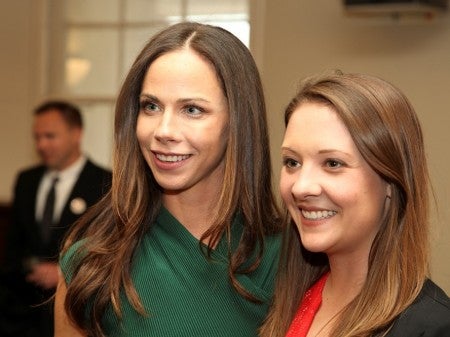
[
  {"x": 171, "y": 159},
  {"x": 317, "y": 215}
]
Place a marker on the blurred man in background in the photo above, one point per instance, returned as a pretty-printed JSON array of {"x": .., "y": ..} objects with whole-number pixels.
[{"x": 48, "y": 198}]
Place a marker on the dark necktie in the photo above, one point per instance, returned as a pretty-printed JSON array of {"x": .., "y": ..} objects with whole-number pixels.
[{"x": 47, "y": 216}]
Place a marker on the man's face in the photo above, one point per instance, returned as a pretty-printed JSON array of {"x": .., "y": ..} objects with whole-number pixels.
[{"x": 57, "y": 143}]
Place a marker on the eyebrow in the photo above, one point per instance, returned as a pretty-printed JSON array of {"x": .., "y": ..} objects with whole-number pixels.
[
  {"x": 148, "y": 96},
  {"x": 181, "y": 100},
  {"x": 324, "y": 151}
]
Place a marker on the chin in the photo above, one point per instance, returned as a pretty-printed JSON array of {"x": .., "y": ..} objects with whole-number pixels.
[
  {"x": 314, "y": 246},
  {"x": 313, "y": 249},
  {"x": 171, "y": 188}
]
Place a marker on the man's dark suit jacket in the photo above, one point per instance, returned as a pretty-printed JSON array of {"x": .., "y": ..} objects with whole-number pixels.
[
  {"x": 25, "y": 240},
  {"x": 17, "y": 316}
]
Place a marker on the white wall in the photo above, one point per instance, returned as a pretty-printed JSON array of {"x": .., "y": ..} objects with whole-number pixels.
[
  {"x": 24, "y": 64},
  {"x": 302, "y": 37},
  {"x": 19, "y": 86}
]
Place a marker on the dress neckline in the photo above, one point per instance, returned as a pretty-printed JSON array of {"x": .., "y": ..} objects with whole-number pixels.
[{"x": 308, "y": 308}]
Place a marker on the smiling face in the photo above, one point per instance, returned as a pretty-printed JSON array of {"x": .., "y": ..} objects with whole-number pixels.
[
  {"x": 182, "y": 124},
  {"x": 335, "y": 198}
]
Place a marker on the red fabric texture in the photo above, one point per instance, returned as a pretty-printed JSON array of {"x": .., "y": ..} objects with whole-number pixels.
[{"x": 307, "y": 310}]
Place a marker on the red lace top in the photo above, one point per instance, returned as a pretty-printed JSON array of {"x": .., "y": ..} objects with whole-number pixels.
[{"x": 308, "y": 308}]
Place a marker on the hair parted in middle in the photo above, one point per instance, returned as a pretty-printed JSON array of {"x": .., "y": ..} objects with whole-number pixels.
[{"x": 114, "y": 227}]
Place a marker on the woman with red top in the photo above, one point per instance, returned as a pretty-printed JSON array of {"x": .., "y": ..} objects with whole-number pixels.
[{"x": 355, "y": 183}]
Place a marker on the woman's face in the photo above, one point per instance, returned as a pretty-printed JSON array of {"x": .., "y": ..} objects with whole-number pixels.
[
  {"x": 333, "y": 195},
  {"x": 182, "y": 123}
]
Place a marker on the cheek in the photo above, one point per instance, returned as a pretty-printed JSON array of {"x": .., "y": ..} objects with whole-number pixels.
[
  {"x": 367, "y": 202},
  {"x": 142, "y": 131},
  {"x": 376, "y": 190},
  {"x": 210, "y": 140},
  {"x": 285, "y": 186},
  {"x": 223, "y": 141}
]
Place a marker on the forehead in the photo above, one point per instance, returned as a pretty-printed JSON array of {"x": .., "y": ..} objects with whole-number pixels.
[
  {"x": 316, "y": 119},
  {"x": 181, "y": 65},
  {"x": 182, "y": 58},
  {"x": 50, "y": 120},
  {"x": 184, "y": 75},
  {"x": 317, "y": 126}
]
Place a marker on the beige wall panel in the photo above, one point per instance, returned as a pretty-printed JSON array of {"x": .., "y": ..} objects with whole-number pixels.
[
  {"x": 303, "y": 37},
  {"x": 19, "y": 65}
]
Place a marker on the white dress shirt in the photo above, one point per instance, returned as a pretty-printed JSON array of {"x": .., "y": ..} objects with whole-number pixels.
[{"x": 66, "y": 180}]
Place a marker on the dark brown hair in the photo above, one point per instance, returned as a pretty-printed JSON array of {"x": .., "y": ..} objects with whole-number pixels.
[
  {"x": 69, "y": 111},
  {"x": 114, "y": 228}
]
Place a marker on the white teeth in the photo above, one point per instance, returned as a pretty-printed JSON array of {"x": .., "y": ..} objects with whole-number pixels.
[
  {"x": 171, "y": 158},
  {"x": 318, "y": 215}
]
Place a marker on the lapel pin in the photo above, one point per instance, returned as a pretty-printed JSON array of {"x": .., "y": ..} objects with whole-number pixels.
[{"x": 77, "y": 206}]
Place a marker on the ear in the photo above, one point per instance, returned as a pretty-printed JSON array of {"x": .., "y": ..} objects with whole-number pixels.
[
  {"x": 388, "y": 190},
  {"x": 77, "y": 134}
]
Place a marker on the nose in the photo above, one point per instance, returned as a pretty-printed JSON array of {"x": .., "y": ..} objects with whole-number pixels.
[
  {"x": 307, "y": 183},
  {"x": 40, "y": 142},
  {"x": 167, "y": 128}
]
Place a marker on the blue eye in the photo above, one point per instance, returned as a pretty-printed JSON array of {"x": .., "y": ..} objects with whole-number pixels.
[
  {"x": 193, "y": 110},
  {"x": 149, "y": 106}
]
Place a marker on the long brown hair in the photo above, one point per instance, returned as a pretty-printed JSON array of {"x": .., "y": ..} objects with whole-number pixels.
[
  {"x": 111, "y": 231},
  {"x": 387, "y": 132}
]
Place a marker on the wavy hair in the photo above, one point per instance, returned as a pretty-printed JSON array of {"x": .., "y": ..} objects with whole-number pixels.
[
  {"x": 112, "y": 230},
  {"x": 387, "y": 132}
]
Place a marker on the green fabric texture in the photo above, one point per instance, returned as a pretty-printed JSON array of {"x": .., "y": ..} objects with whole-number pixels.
[{"x": 184, "y": 293}]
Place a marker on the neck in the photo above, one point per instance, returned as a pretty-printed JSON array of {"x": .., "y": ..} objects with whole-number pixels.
[
  {"x": 68, "y": 162},
  {"x": 194, "y": 213},
  {"x": 346, "y": 279}
]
